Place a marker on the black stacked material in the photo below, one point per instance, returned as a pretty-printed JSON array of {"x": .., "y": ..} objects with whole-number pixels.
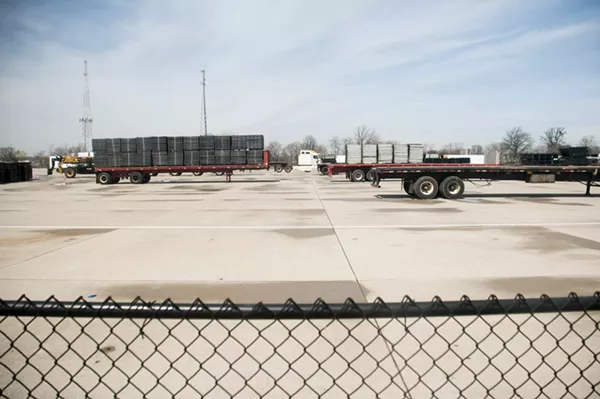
[
  {"x": 159, "y": 144},
  {"x": 100, "y": 160},
  {"x": 239, "y": 142},
  {"x": 207, "y": 157},
  {"x": 191, "y": 158},
  {"x": 144, "y": 144},
  {"x": 12, "y": 172},
  {"x": 99, "y": 146},
  {"x": 447, "y": 160},
  {"x": 129, "y": 159},
  {"x": 175, "y": 158},
  {"x": 113, "y": 146},
  {"x": 175, "y": 143},
  {"x": 238, "y": 157},
  {"x": 255, "y": 157},
  {"x": 575, "y": 155},
  {"x": 222, "y": 142},
  {"x": 222, "y": 157},
  {"x": 114, "y": 160},
  {"x": 144, "y": 158},
  {"x": 538, "y": 159},
  {"x": 128, "y": 145},
  {"x": 206, "y": 142},
  {"x": 160, "y": 158},
  {"x": 256, "y": 142},
  {"x": 191, "y": 143}
]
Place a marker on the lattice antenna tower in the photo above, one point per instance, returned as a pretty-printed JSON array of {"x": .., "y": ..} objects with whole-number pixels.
[
  {"x": 204, "y": 101},
  {"x": 86, "y": 114}
]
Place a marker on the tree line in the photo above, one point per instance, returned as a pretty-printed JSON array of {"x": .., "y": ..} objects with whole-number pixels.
[{"x": 514, "y": 143}]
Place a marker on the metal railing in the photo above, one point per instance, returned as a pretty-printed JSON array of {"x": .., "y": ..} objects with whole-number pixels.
[{"x": 518, "y": 348}]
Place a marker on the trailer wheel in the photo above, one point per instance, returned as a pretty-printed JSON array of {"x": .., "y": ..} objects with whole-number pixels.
[
  {"x": 116, "y": 180},
  {"x": 357, "y": 175},
  {"x": 288, "y": 168},
  {"x": 70, "y": 173},
  {"x": 425, "y": 187},
  {"x": 370, "y": 176},
  {"x": 278, "y": 168},
  {"x": 197, "y": 173},
  {"x": 146, "y": 179},
  {"x": 136, "y": 178},
  {"x": 408, "y": 188},
  {"x": 452, "y": 187},
  {"x": 175, "y": 174},
  {"x": 105, "y": 178}
]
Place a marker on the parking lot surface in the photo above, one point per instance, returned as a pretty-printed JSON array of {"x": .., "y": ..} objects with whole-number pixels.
[{"x": 267, "y": 237}]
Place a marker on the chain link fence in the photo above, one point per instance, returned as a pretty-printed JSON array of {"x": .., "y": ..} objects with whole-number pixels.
[{"x": 518, "y": 348}]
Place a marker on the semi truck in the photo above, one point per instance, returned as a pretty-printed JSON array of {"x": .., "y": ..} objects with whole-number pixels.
[
  {"x": 143, "y": 174},
  {"x": 427, "y": 181}
]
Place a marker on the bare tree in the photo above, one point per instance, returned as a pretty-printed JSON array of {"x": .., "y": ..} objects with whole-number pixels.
[
  {"x": 40, "y": 159},
  {"x": 275, "y": 149},
  {"x": 429, "y": 148},
  {"x": 309, "y": 142},
  {"x": 588, "y": 141},
  {"x": 336, "y": 146},
  {"x": 515, "y": 143},
  {"x": 9, "y": 154},
  {"x": 553, "y": 138},
  {"x": 66, "y": 150},
  {"x": 291, "y": 152},
  {"x": 477, "y": 149},
  {"x": 452, "y": 148},
  {"x": 365, "y": 135},
  {"x": 347, "y": 140}
]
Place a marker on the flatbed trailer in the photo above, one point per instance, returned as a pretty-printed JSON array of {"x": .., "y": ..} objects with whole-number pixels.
[
  {"x": 143, "y": 174},
  {"x": 426, "y": 181},
  {"x": 358, "y": 172}
]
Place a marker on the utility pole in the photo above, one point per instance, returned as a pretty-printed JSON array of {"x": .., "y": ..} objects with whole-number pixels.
[
  {"x": 86, "y": 114},
  {"x": 204, "y": 100}
]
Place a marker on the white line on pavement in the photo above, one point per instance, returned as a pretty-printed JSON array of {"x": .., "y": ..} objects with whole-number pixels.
[{"x": 293, "y": 227}]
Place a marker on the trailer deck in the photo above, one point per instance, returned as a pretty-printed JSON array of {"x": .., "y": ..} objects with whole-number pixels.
[
  {"x": 143, "y": 174},
  {"x": 425, "y": 181}
]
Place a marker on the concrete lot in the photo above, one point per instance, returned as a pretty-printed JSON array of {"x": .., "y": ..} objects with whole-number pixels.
[
  {"x": 270, "y": 236},
  {"x": 267, "y": 237}
]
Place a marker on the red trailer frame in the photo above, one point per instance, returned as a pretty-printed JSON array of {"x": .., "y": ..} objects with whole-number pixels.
[
  {"x": 364, "y": 171},
  {"x": 142, "y": 174}
]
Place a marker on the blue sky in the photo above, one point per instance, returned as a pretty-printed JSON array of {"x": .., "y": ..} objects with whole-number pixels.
[{"x": 430, "y": 71}]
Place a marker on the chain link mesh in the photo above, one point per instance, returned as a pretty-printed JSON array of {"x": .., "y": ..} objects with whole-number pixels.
[{"x": 521, "y": 348}]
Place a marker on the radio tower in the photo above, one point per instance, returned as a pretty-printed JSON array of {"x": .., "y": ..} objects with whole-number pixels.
[
  {"x": 86, "y": 114},
  {"x": 204, "y": 101}
]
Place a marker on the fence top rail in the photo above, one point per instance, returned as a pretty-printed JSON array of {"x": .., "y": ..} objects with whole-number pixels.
[{"x": 167, "y": 309}]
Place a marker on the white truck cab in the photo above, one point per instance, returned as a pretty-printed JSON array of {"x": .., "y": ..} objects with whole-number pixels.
[{"x": 308, "y": 160}]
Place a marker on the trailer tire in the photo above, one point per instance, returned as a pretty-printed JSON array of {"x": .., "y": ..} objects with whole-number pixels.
[
  {"x": 116, "y": 180},
  {"x": 136, "y": 178},
  {"x": 357, "y": 175},
  {"x": 288, "y": 168},
  {"x": 70, "y": 173},
  {"x": 426, "y": 187},
  {"x": 408, "y": 188},
  {"x": 175, "y": 173},
  {"x": 278, "y": 168},
  {"x": 453, "y": 187},
  {"x": 197, "y": 173},
  {"x": 105, "y": 178},
  {"x": 146, "y": 179},
  {"x": 370, "y": 176}
]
